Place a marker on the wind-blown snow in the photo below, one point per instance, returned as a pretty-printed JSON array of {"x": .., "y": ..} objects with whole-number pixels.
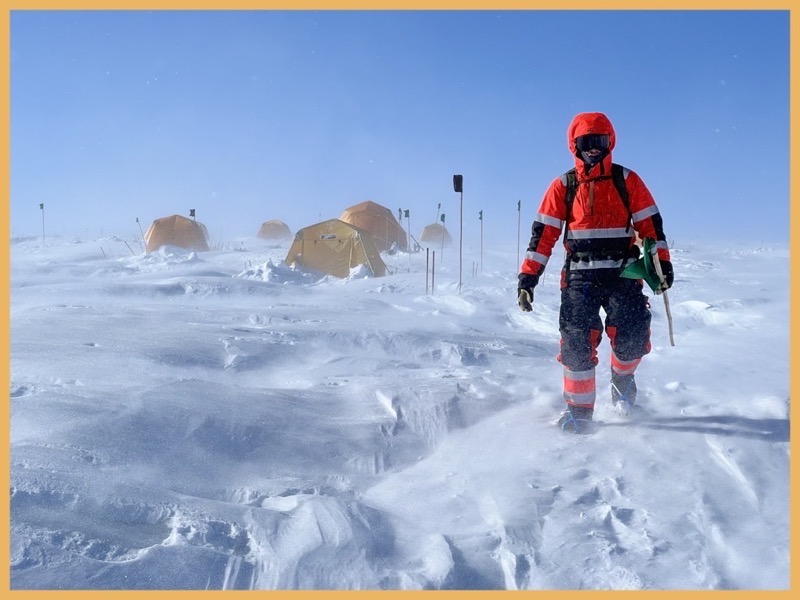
[{"x": 220, "y": 420}]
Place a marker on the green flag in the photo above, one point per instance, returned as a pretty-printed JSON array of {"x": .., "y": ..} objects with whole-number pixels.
[{"x": 644, "y": 268}]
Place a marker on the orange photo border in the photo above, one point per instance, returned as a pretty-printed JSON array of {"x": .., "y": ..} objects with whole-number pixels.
[{"x": 498, "y": 5}]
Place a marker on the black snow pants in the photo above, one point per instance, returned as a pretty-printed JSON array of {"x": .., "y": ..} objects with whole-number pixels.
[{"x": 627, "y": 322}]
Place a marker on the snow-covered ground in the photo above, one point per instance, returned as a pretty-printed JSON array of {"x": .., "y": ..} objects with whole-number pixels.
[{"x": 218, "y": 420}]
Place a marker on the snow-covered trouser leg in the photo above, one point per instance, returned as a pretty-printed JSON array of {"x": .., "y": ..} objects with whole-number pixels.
[
  {"x": 581, "y": 330},
  {"x": 628, "y": 329},
  {"x": 627, "y": 325}
]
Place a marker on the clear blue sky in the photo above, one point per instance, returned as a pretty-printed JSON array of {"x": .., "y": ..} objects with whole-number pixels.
[{"x": 249, "y": 116}]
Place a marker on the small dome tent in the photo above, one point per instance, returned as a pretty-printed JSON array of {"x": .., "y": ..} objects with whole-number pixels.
[
  {"x": 436, "y": 234},
  {"x": 176, "y": 230},
  {"x": 274, "y": 230},
  {"x": 379, "y": 222},
  {"x": 334, "y": 247}
]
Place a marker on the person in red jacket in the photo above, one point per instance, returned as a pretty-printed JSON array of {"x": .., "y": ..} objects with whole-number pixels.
[{"x": 599, "y": 241}]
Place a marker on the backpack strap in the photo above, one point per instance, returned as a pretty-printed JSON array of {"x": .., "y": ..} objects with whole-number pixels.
[
  {"x": 570, "y": 180},
  {"x": 618, "y": 177}
]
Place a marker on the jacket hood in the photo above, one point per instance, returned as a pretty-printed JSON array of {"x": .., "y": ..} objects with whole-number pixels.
[{"x": 586, "y": 123}]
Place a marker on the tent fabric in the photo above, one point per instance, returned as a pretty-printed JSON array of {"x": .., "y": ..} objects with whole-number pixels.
[
  {"x": 379, "y": 222},
  {"x": 274, "y": 230},
  {"x": 179, "y": 231},
  {"x": 436, "y": 234},
  {"x": 334, "y": 247}
]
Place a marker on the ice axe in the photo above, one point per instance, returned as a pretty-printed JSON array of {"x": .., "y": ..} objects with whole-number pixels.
[{"x": 648, "y": 268}]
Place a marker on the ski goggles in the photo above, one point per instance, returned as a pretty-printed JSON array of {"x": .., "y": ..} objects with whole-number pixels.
[{"x": 598, "y": 141}]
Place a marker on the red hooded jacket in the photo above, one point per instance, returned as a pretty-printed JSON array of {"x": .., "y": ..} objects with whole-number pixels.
[{"x": 598, "y": 226}]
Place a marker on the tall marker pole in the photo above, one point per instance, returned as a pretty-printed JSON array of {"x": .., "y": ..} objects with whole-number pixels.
[
  {"x": 480, "y": 218},
  {"x": 407, "y": 213},
  {"x": 443, "y": 231},
  {"x": 458, "y": 186},
  {"x": 41, "y": 207},
  {"x": 427, "y": 268},
  {"x": 400, "y": 219}
]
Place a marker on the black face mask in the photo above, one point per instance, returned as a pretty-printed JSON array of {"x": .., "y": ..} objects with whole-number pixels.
[
  {"x": 598, "y": 141},
  {"x": 593, "y": 160}
]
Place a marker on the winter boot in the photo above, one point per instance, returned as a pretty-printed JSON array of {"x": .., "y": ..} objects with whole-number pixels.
[
  {"x": 623, "y": 392},
  {"x": 576, "y": 419}
]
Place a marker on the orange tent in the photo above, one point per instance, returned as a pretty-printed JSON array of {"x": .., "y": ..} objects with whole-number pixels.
[
  {"x": 379, "y": 221},
  {"x": 176, "y": 230}
]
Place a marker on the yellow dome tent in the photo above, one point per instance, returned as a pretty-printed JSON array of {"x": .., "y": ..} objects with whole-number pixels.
[
  {"x": 334, "y": 247},
  {"x": 436, "y": 234},
  {"x": 379, "y": 222},
  {"x": 274, "y": 230},
  {"x": 176, "y": 230}
]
